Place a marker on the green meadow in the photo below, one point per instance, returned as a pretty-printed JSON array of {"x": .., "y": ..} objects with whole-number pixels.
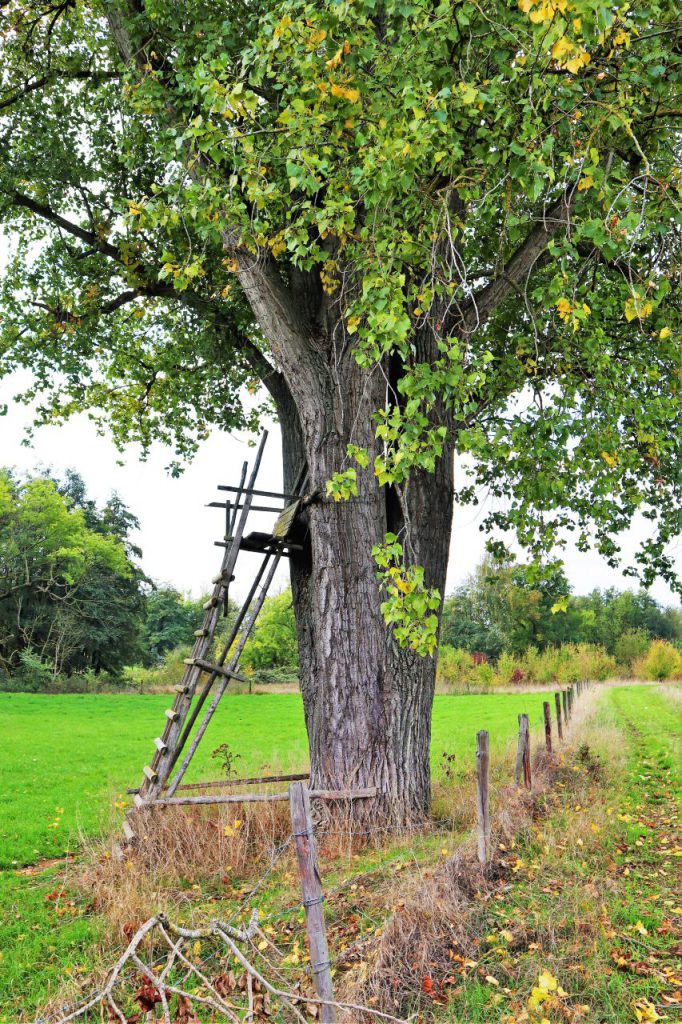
[
  {"x": 64, "y": 769},
  {"x": 67, "y": 760}
]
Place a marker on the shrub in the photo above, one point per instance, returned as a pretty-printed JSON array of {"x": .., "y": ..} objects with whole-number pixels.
[
  {"x": 510, "y": 670},
  {"x": 455, "y": 667},
  {"x": 661, "y": 661},
  {"x": 484, "y": 676},
  {"x": 631, "y": 646}
]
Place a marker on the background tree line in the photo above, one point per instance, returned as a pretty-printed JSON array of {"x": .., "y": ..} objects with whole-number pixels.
[{"x": 77, "y": 610}]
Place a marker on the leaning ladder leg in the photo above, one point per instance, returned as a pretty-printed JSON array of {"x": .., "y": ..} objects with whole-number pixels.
[
  {"x": 222, "y": 686},
  {"x": 176, "y": 716}
]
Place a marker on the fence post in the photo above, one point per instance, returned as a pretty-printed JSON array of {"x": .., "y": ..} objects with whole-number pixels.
[
  {"x": 525, "y": 727},
  {"x": 523, "y": 753},
  {"x": 564, "y": 702},
  {"x": 311, "y": 887},
  {"x": 548, "y": 726},
  {"x": 557, "y": 704},
  {"x": 570, "y": 700},
  {"x": 482, "y": 796}
]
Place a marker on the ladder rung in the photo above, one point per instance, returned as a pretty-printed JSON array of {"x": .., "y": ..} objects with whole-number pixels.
[
  {"x": 171, "y": 715},
  {"x": 160, "y": 745},
  {"x": 220, "y": 578},
  {"x": 182, "y": 689},
  {"x": 201, "y": 632},
  {"x": 127, "y": 830},
  {"x": 219, "y": 670},
  {"x": 138, "y": 801},
  {"x": 212, "y": 602},
  {"x": 150, "y": 773}
]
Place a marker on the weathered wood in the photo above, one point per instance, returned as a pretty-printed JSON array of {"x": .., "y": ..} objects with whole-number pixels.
[
  {"x": 160, "y": 745},
  {"x": 222, "y": 685},
  {"x": 265, "y": 798},
  {"x": 482, "y": 796},
  {"x": 128, "y": 831},
  {"x": 285, "y": 521},
  {"x": 150, "y": 773},
  {"x": 234, "y": 632},
  {"x": 564, "y": 704},
  {"x": 523, "y": 754},
  {"x": 518, "y": 770},
  {"x": 548, "y": 726},
  {"x": 259, "y": 494},
  {"x": 256, "y": 781},
  {"x": 557, "y": 705},
  {"x": 254, "y": 508},
  {"x": 213, "y": 669},
  {"x": 313, "y": 898},
  {"x": 171, "y": 714}
]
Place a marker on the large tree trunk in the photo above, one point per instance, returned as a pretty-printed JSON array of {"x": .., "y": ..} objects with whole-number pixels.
[{"x": 367, "y": 702}]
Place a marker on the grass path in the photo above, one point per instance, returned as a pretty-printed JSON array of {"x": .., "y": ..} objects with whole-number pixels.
[{"x": 587, "y": 926}]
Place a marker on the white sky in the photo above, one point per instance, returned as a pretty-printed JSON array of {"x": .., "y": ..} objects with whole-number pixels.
[{"x": 177, "y": 531}]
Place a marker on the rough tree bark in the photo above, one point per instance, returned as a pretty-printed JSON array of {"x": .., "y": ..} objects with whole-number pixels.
[{"x": 367, "y": 702}]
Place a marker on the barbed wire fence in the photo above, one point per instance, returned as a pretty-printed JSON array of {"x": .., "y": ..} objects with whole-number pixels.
[{"x": 161, "y": 968}]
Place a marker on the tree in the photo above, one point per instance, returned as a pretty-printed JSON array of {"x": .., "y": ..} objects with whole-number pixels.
[
  {"x": 69, "y": 593},
  {"x": 507, "y": 606},
  {"x": 273, "y": 642},
  {"x": 425, "y": 230},
  {"x": 170, "y": 620}
]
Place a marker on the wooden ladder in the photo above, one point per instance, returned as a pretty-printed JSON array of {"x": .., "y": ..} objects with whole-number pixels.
[{"x": 181, "y": 717}]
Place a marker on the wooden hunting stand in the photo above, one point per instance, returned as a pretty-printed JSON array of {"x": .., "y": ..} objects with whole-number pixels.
[{"x": 204, "y": 674}]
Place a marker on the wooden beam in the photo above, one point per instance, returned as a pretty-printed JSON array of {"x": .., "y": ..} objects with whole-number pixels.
[
  {"x": 260, "y": 780},
  {"x": 265, "y": 798}
]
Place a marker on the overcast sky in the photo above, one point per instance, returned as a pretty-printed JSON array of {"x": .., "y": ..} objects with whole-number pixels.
[{"x": 177, "y": 531}]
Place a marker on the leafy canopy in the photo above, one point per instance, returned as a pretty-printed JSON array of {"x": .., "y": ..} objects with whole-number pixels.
[{"x": 486, "y": 193}]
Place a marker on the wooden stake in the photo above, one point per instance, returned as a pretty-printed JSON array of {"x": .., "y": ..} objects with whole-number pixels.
[
  {"x": 564, "y": 702},
  {"x": 311, "y": 886},
  {"x": 557, "y": 705},
  {"x": 482, "y": 796},
  {"x": 524, "y": 729},
  {"x": 548, "y": 726}
]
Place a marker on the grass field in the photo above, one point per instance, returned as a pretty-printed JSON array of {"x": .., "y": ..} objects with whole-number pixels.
[{"x": 67, "y": 760}]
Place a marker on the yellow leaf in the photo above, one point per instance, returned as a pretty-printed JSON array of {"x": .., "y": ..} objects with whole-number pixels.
[
  {"x": 196, "y": 948},
  {"x": 283, "y": 25},
  {"x": 352, "y": 95},
  {"x": 561, "y": 48},
  {"x": 547, "y": 982},
  {"x": 609, "y": 459},
  {"x": 576, "y": 63},
  {"x": 334, "y": 61},
  {"x": 586, "y": 182},
  {"x": 639, "y": 927},
  {"x": 491, "y": 981},
  {"x": 664, "y": 333},
  {"x": 645, "y": 1011}
]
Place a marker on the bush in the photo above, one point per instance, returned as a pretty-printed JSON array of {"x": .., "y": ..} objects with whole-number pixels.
[
  {"x": 661, "y": 661},
  {"x": 455, "y": 667},
  {"x": 511, "y": 670},
  {"x": 631, "y": 646}
]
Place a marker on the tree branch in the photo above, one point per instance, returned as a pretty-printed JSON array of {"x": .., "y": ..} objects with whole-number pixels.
[
  {"x": 39, "y": 83},
  {"x": 19, "y": 199},
  {"x": 519, "y": 267}
]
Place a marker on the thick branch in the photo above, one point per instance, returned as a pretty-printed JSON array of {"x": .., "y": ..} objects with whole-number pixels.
[
  {"x": 519, "y": 267},
  {"x": 53, "y": 78},
  {"x": 51, "y": 215}
]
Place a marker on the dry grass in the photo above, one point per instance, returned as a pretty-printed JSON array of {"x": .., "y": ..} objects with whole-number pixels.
[{"x": 437, "y": 915}]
